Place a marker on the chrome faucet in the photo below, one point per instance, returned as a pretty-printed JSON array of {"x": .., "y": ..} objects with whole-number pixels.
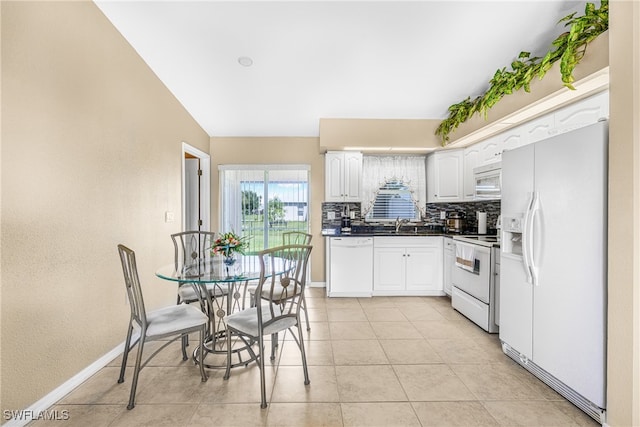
[{"x": 400, "y": 223}]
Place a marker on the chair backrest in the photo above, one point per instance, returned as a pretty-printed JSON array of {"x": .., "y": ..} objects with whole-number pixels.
[
  {"x": 132, "y": 283},
  {"x": 284, "y": 289},
  {"x": 192, "y": 247},
  {"x": 296, "y": 238}
]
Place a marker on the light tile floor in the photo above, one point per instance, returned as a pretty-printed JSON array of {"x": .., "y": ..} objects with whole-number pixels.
[{"x": 382, "y": 361}]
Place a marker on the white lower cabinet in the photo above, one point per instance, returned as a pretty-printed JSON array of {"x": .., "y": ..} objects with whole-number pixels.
[
  {"x": 407, "y": 266},
  {"x": 449, "y": 263}
]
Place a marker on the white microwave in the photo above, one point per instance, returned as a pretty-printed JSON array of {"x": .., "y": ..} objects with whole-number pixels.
[{"x": 488, "y": 179}]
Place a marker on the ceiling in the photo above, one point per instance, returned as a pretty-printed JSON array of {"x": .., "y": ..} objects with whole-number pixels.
[{"x": 329, "y": 59}]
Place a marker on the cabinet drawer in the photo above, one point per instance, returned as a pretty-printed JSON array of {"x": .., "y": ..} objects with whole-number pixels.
[{"x": 472, "y": 308}]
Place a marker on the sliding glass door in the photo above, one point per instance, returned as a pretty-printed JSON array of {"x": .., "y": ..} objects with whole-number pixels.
[{"x": 263, "y": 201}]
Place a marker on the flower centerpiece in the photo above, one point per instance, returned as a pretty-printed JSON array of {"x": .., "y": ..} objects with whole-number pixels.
[{"x": 229, "y": 244}]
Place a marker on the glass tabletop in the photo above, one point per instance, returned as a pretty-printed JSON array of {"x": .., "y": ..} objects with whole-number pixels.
[{"x": 214, "y": 270}]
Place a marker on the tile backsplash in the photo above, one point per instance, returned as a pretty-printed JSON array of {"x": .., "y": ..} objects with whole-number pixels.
[{"x": 492, "y": 208}]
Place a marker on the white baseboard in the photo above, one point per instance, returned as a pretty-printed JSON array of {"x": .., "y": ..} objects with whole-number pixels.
[
  {"x": 30, "y": 413},
  {"x": 317, "y": 284}
]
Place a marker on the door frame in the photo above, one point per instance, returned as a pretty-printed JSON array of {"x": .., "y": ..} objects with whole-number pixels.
[{"x": 205, "y": 186}]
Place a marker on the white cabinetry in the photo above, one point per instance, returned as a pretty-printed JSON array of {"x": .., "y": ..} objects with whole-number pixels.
[
  {"x": 470, "y": 159},
  {"x": 489, "y": 151},
  {"x": 582, "y": 113},
  {"x": 510, "y": 139},
  {"x": 576, "y": 115},
  {"x": 343, "y": 176},
  {"x": 449, "y": 263},
  {"x": 407, "y": 266},
  {"x": 538, "y": 129},
  {"x": 445, "y": 169}
]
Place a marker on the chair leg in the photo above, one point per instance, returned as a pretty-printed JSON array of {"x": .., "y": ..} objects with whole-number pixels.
[
  {"x": 125, "y": 354},
  {"x": 303, "y": 354},
  {"x": 227, "y": 372},
  {"x": 185, "y": 344},
  {"x": 136, "y": 370},
  {"x": 274, "y": 345},
  {"x": 203, "y": 374},
  {"x": 306, "y": 314},
  {"x": 263, "y": 385}
]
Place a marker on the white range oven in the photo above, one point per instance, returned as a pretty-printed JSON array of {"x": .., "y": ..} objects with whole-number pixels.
[{"x": 474, "y": 288}]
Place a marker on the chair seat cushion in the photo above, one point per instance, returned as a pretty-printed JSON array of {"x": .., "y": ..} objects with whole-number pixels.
[
  {"x": 246, "y": 321},
  {"x": 188, "y": 294},
  {"x": 174, "y": 319}
]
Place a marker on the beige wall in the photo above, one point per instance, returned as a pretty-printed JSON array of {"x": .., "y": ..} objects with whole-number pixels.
[
  {"x": 336, "y": 134},
  {"x": 623, "y": 373},
  {"x": 91, "y": 157},
  {"x": 284, "y": 150}
]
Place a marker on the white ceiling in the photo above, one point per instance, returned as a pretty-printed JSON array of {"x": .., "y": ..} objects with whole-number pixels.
[{"x": 329, "y": 59}]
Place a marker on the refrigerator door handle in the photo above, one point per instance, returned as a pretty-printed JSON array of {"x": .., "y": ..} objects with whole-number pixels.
[
  {"x": 535, "y": 208},
  {"x": 526, "y": 238}
]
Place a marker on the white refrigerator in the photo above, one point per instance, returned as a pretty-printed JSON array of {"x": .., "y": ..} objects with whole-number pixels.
[{"x": 553, "y": 263}]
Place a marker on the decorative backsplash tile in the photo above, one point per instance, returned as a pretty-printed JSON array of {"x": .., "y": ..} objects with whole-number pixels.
[
  {"x": 492, "y": 208},
  {"x": 337, "y": 208}
]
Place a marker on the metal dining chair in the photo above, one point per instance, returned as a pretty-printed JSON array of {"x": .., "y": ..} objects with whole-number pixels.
[
  {"x": 291, "y": 238},
  {"x": 299, "y": 238},
  {"x": 174, "y": 321},
  {"x": 192, "y": 249},
  {"x": 278, "y": 311}
]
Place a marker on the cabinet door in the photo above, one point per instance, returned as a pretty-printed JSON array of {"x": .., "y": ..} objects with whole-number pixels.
[
  {"x": 333, "y": 177},
  {"x": 582, "y": 113},
  {"x": 352, "y": 177},
  {"x": 424, "y": 269},
  {"x": 431, "y": 179},
  {"x": 448, "y": 166},
  {"x": 471, "y": 155},
  {"x": 508, "y": 140},
  {"x": 449, "y": 262},
  {"x": 489, "y": 150},
  {"x": 539, "y": 129},
  {"x": 388, "y": 269}
]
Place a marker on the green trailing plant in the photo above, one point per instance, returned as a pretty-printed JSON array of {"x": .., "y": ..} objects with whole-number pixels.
[{"x": 568, "y": 48}]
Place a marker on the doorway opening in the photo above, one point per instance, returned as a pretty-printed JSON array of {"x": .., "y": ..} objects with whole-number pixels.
[{"x": 196, "y": 184}]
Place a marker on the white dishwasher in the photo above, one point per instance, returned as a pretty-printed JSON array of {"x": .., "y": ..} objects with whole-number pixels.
[{"x": 350, "y": 267}]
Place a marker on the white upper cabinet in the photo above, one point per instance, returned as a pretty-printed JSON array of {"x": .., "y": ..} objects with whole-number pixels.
[
  {"x": 489, "y": 151},
  {"x": 582, "y": 113},
  {"x": 471, "y": 157},
  {"x": 538, "y": 129},
  {"x": 445, "y": 170},
  {"x": 343, "y": 176},
  {"x": 510, "y": 139},
  {"x": 576, "y": 115}
]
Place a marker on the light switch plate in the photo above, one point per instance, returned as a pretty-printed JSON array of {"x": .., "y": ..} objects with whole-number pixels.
[
  {"x": 443, "y": 215},
  {"x": 352, "y": 215},
  {"x": 331, "y": 215},
  {"x": 169, "y": 216}
]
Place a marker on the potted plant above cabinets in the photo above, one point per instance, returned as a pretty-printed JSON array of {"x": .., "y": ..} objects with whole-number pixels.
[{"x": 568, "y": 48}]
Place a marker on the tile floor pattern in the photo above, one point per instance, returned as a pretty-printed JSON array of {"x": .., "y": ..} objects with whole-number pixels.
[{"x": 382, "y": 361}]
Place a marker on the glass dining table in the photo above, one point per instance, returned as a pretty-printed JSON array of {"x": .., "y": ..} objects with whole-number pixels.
[{"x": 221, "y": 289}]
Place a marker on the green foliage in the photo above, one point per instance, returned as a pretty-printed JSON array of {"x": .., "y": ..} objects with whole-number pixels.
[
  {"x": 568, "y": 48},
  {"x": 250, "y": 202},
  {"x": 275, "y": 209}
]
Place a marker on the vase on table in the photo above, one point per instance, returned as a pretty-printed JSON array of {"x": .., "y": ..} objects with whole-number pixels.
[{"x": 229, "y": 260}]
